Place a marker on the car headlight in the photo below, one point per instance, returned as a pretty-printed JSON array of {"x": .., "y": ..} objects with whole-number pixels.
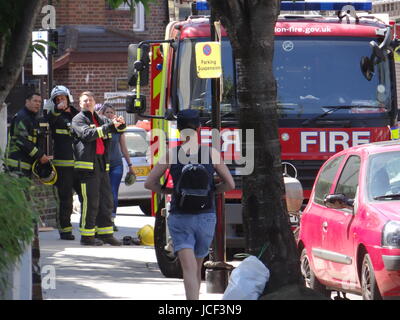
[{"x": 391, "y": 234}]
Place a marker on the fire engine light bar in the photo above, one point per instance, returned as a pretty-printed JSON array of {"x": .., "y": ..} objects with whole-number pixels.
[
  {"x": 310, "y": 5},
  {"x": 202, "y": 5}
]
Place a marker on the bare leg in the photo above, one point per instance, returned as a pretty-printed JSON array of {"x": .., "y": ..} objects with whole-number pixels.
[
  {"x": 190, "y": 273},
  {"x": 199, "y": 267}
]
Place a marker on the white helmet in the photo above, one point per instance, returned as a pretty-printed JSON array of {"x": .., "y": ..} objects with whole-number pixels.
[
  {"x": 58, "y": 91},
  {"x": 61, "y": 91}
]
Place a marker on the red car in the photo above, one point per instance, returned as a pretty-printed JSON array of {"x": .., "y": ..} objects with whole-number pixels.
[{"x": 350, "y": 230}]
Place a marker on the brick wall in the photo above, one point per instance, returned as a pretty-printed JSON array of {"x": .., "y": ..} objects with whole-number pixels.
[
  {"x": 97, "y": 12},
  {"x": 48, "y": 204},
  {"x": 74, "y": 12},
  {"x": 95, "y": 77}
]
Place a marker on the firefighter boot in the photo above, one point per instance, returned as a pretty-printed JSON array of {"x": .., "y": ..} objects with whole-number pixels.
[
  {"x": 110, "y": 240},
  {"x": 67, "y": 236},
  {"x": 90, "y": 241}
]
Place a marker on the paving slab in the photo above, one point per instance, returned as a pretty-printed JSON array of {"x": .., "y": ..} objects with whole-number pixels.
[{"x": 72, "y": 271}]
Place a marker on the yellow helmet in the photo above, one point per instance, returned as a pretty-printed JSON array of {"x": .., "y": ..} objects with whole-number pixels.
[
  {"x": 146, "y": 235},
  {"x": 46, "y": 172}
]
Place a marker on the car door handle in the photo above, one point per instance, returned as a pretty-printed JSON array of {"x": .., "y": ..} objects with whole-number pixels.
[{"x": 325, "y": 226}]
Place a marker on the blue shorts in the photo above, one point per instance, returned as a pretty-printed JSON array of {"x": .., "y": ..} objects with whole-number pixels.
[{"x": 192, "y": 231}]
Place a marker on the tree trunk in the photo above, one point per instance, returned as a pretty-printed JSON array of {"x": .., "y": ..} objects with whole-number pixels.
[
  {"x": 17, "y": 50},
  {"x": 250, "y": 26}
]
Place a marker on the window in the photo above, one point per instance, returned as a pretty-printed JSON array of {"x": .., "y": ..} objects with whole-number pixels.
[
  {"x": 325, "y": 179},
  {"x": 348, "y": 181},
  {"x": 138, "y": 24},
  {"x": 138, "y": 21}
]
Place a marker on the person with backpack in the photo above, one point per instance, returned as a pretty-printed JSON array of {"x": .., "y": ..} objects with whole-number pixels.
[{"x": 192, "y": 216}]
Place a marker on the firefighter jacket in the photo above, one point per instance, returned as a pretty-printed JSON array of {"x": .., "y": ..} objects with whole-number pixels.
[
  {"x": 23, "y": 142},
  {"x": 60, "y": 126},
  {"x": 85, "y": 134}
]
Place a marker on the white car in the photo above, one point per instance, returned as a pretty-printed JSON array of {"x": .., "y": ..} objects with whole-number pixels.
[{"x": 138, "y": 145}]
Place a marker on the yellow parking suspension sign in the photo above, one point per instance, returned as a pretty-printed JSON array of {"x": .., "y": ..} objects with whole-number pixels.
[{"x": 208, "y": 60}]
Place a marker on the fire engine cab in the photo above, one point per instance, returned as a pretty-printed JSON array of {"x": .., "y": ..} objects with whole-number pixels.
[{"x": 336, "y": 87}]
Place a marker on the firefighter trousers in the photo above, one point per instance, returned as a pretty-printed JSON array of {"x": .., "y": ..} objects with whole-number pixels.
[
  {"x": 96, "y": 200},
  {"x": 66, "y": 183}
]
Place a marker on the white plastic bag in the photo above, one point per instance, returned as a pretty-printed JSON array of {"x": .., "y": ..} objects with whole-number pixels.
[{"x": 247, "y": 281}]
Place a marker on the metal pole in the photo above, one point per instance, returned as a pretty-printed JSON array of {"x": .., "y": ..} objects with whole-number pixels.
[
  {"x": 49, "y": 67},
  {"x": 217, "y": 274}
]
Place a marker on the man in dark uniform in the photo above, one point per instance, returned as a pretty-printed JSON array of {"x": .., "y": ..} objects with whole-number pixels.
[
  {"x": 23, "y": 149},
  {"x": 92, "y": 135},
  {"x": 59, "y": 116}
]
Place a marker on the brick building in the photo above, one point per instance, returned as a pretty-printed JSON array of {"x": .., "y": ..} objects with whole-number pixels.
[
  {"x": 93, "y": 43},
  {"x": 92, "y": 55}
]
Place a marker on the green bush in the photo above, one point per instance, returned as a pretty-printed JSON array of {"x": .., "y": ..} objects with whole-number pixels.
[{"x": 18, "y": 214}]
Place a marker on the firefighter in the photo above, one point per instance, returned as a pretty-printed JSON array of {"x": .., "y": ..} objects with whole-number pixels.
[
  {"x": 23, "y": 149},
  {"x": 92, "y": 135},
  {"x": 60, "y": 113}
]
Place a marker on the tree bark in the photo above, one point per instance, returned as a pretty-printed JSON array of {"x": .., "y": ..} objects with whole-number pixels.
[
  {"x": 15, "y": 55},
  {"x": 250, "y": 26}
]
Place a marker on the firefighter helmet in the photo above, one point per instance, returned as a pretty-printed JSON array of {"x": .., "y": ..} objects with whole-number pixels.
[
  {"x": 146, "y": 235},
  {"x": 130, "y": 179},
  {"x": 61, "y": 91},
  {"x": 45, "y": 172}
]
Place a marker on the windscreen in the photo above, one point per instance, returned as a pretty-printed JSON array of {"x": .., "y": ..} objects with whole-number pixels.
[
  {"x": 313, "y": 74},
  {"x": 136, "y": 142},
  {"x": 383, "y": 177}
]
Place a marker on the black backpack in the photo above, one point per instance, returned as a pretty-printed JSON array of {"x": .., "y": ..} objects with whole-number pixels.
[{"x": 193, "y": 188}]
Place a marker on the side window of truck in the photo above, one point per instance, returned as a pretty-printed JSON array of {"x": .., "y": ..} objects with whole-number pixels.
[{"x": 325, "y": 180}]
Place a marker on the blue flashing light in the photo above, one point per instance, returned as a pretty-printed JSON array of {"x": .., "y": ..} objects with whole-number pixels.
[
  {"x": 324, "y": 6},
  {"x": 202, "y": 5}
]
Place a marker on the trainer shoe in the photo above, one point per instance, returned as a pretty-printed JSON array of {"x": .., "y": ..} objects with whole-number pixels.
[{"x": 90, "y": 241}]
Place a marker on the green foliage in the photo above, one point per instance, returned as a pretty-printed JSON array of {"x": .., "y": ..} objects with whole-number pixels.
[
  {"x": 39, "y": 46},
  {"x": 18, "y": 214},
  {"x": 116, "y": 3},
  {"x": 11, "y": 15}
]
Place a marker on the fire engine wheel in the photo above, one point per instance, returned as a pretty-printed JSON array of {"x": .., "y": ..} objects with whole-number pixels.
[
  {"x": 369, "y": 287},
  {"x": 168, "y": 262},
  {"x": 310, "y": 279}
]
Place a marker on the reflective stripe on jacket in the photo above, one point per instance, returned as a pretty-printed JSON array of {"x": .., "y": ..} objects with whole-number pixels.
[
  {"x": 60, "y": 127},
  {"x": 23, "y": 142},
  {"x": 85, "y": 133}
]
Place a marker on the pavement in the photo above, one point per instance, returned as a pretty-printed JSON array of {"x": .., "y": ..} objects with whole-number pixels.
[{"x": 72, "y": 271}]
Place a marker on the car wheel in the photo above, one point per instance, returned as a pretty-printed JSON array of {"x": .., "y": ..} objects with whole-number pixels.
[
  {"x": 369, "y": 287},
  {"x": 310, "y": 279},
  {"x": 168, "y": 262},
  {"x": 146, "y": 207}
]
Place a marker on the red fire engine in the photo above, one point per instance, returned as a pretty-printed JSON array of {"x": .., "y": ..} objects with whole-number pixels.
[{"x": 336, "y": 87}]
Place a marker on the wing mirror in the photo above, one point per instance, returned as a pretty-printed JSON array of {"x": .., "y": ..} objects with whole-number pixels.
[
  {"x": 379, "y": 53},
  {"x": 338, "y": 201}
]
